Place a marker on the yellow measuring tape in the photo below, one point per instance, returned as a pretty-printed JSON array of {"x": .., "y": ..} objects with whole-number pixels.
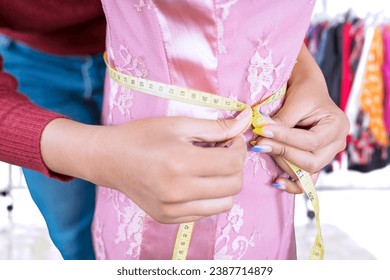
[{"x": 209, "y": 100}]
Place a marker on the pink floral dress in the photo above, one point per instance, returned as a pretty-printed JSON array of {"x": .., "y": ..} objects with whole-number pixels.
[{"x": 240, "y": 49}]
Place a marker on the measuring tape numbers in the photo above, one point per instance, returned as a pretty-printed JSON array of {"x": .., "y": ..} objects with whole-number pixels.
[{"x": 209, "y": 100}]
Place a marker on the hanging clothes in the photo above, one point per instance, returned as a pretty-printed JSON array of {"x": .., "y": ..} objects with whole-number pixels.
[
  {"x": 330, "y": 64},
  {"x": 313, "y": 38},
  {"x": 372, "y": 95},
  {"x": 319, "y": 54},
  {"x": 386, "y": 77},
  {"x": 357, "y": 43},
  {"x": 368, "y": 146},
  {"x": 353, "y": 107},
  {"x": 351, "y": 52},
  {"x": 346, "y": 73}
]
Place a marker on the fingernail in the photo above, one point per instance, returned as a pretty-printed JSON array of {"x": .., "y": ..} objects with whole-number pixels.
[
  {"x": 253, "y": 143},
  {"x": 279, "y": 186},
  {"x": 263, "y": 132},
  {"x": 244, "y": 114},
  {"x": 226, "y": 144},
  {"x": 268, "y": 118},
  {"x": 261, "y": 149}
]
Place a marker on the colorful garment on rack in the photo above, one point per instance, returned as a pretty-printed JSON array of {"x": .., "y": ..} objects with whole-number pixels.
[
  {"x": 357, "y": 44},
  {"x": 330, "y": 63},
  {"x": 346, "y": 73},
  {"x": 361, "y": 146},
  {"x": 372, "y": 94},
  {"x": 351, "y": 61},
  {"x": 364, "y": 154},
  {"x": 386, "y": 77}
]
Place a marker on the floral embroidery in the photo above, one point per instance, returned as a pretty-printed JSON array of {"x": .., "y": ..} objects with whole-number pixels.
[
  {"x": 223, "y": 8},
  {"x": 240, "y": 244},
  {"x": 259, "y": 161},
  {"x": 141, "y": 4},
  {"x": 263, "y": 75},
  {"x": 130, "y": 223},
  {"x": 235, "y": 218},
  {"x": 129, "y": 64},
  {"x": 98, "y": 239},
  {"x": 124, "y": 101},
  {"x": 120, "y": 97}
]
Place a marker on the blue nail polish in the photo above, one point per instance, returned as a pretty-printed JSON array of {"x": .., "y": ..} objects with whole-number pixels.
[
  {"x": 265, "y": 115},
  {"x": 267, "y": 118},
  {"x": 279, "y": 186},
  {"x": 257, "y": 149},
  {"x": 261, "y": 149}
]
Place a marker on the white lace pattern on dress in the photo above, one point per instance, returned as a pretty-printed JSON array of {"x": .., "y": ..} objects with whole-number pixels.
[
  {"x": 258, "y": 162},
  {"x": 263, "y": 75},
  {"x": 98, "y": 240},
  {"x": 130, "y": 223},
  {"x": 120, "y": 97},
  {"x": 223, "y": 10},
  {"x": 230, "y": 244},
  {"x": 131, "y": 219},
  {"x": 142, "y": 4}
]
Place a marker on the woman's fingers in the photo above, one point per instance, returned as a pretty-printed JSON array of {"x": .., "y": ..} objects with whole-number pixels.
[
  {"x": 309, "y": 160},
  {"x": 192, "y": 210},
  {"x": 226, "y": 159},
  {"x": 318, "y": 137},
  {"x": 291, "y": 185}
]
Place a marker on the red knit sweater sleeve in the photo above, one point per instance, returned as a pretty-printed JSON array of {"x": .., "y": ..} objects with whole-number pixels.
[{"x": 21, "y": 126}]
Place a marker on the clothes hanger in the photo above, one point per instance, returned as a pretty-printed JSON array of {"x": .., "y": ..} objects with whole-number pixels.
[
  {"x": 323, "y": 15},
  {"x": 373, "y": 19}
]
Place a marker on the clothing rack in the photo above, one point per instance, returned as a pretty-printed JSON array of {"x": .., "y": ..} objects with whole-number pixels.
[
  {"x": 345, "y": 163},
  {"x": 10, "y": 173},
  {"x": 341, "y": 47}
]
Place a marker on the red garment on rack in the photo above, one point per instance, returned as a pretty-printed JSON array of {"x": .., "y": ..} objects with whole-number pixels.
[{"x": 346, "y": 73}]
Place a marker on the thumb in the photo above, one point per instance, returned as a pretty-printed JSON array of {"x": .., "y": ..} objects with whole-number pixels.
[
  {"x": 286, "y": 116},
  {"x": 219, "y": 130}
]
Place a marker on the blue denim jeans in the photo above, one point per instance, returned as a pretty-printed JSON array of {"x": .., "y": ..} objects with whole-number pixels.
[{"x": 72, "y": 86}]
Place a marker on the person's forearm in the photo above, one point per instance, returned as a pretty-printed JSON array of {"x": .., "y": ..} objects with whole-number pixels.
[
  {"x": 145, "y": 159},
  {"x": 21, "y": 125},
  {"x": 66, "y": 147},
  {"x": 305, "y": 67},
  {"x": 307, "y": 84}
]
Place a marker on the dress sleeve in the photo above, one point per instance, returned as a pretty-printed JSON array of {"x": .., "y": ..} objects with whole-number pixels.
[{"x": 21, "y": 126}]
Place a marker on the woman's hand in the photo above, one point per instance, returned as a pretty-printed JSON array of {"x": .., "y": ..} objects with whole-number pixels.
[
  {"x": 155, "y": 162},
  {"x": 309, "y": 130}
]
